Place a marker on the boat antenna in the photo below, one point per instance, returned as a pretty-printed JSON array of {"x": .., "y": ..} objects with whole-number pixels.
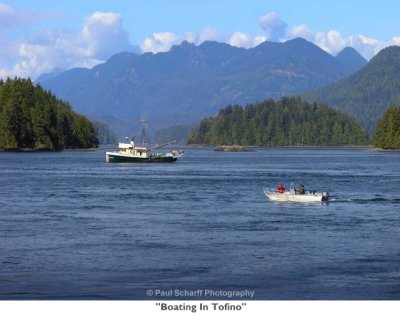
[{"x": 143, "y": 120}]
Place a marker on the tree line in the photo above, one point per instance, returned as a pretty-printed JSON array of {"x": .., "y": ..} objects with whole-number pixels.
[
  {"x": 387, "y": 133},
  {"x": 34, "y": 119},
  {"x": 285, "y": 122}
]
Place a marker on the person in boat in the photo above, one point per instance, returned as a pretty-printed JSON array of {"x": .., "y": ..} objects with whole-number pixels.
[
  {"x": 280, "y": 189},
  {"x": 301, "y": 190}
]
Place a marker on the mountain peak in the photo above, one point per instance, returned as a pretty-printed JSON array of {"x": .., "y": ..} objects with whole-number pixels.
[
  {"x": 351, "y": 57},
  {"x": 302, "y": 46},
  {"x": 350, "y": 52},
  {"x": 209, "y": 44},
  {"x": 184, "y": 45},
  {"x": 298, "y": 40},
  {"x": 301, "y": 43}
]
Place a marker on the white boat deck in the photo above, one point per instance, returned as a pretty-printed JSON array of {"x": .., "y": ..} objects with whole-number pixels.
[{"x": 291, "y": 196}]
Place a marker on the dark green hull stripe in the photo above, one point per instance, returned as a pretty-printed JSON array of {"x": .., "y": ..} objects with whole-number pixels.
[{"x": 119, "y": 159}]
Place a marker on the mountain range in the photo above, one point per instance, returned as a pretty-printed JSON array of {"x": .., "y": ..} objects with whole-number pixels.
[
  {"x": 191, "y": 82},
  {"x": 367, "y": 93}
]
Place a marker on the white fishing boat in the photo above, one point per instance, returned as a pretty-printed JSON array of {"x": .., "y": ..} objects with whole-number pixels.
[
  {"x": 130, "y": 152},
  {"x": 293, "y": 195}
]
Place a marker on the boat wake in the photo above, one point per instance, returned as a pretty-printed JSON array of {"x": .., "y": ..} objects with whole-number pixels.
[
  {"x": 335, "y": 199},
  {"x": 365, "y": 200}
]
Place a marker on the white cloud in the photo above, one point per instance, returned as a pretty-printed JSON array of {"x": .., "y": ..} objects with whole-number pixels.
[
  {"x": 333, "y": 41},
  {"x": 302, "y": 31},
  {"x": 52, "y": 49},
  {"x": 104, "y": 35},
  {"x": 163, "y": 41},
  {"x": 101, "y": 36},
  {"x": 159, "y": 42},
  {"x": 211, "y": 34},
  {"x": 5, "y": 73},
  {"x": 368, "y": 47},
  {"x": 239, "y": 39},
  {"x": 242, "y": 40},
  {"x": 11, "y": 19},
  {"x": 191, "y": 37},
  {"x": 258, "y": 40},
  {"x": 274, "y": 27},
  {"x": 206, "y": 34},
  {"x": 396, "y": 40}
]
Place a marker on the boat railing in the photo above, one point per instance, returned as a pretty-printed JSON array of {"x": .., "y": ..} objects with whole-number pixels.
[{"x": 292, "y": 189}]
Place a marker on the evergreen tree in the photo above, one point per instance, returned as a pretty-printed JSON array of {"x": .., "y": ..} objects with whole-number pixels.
[{"x": 387, "y": 133}]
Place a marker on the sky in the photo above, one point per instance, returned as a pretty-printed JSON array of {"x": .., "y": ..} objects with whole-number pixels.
[{"x": 39, "y": 36}]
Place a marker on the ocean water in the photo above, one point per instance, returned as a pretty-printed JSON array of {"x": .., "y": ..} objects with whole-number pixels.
[{"x": 74, "y": 227}]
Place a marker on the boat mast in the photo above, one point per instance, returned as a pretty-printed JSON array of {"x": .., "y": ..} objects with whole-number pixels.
[{"x": 143, "y": 120}]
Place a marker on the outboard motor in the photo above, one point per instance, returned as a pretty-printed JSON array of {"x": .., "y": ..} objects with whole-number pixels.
[{"x": 325, "y": 196}]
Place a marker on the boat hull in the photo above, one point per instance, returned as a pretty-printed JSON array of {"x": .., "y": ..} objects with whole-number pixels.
[
  {"x": 117, "y": 158},
  {"x": 292, "y": 197}
]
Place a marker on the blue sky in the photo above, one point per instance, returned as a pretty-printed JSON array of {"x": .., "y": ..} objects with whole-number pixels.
[{"x": 37, "y": 36}]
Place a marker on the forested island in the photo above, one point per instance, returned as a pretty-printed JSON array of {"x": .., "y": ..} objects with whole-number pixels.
[
  {"x": 387, "y": 134},
  {"x": 286, "y": 122},
  {"x": 34, "y": 119}
]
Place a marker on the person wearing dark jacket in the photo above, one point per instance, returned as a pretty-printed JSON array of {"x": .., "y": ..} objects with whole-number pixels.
[{"x": 301, "y": 190}]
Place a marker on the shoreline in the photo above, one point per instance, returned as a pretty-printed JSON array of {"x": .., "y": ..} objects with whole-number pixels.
[
  {"x": 286, "y": 147},
  {"x": 385, "y": 150},
  {"x": 233, "y": 148},
  {"x": 219, "y": 148},
  {"x": 38, "y": 151}
]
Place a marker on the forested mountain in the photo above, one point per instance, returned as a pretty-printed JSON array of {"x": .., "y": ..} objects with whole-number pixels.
[
  {"x": 190, "y": 82},
  {"x": 289, "y": 121},
  {"x": 33, "y": 119},
  {"x": 387, "y": 134},
  {"x": 369, "y": 92}
]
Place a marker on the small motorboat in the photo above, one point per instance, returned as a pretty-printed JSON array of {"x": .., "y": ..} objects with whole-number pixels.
[{"x": 294, "y": 196}]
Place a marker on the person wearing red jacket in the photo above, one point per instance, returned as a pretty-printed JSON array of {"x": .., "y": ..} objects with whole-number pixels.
[{"x": 281, "y": 189}]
